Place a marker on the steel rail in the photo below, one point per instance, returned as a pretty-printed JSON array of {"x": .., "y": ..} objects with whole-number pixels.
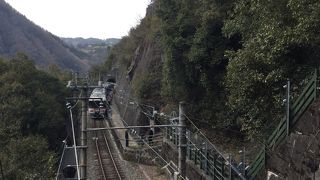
[
  {"x": 111, "y": 156},
  {"x": 100, "y": 159},
  {"x": 99, "y": 154}
]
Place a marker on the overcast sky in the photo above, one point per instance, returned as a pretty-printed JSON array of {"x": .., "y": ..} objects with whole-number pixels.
[{"x": 83, "y": 18}]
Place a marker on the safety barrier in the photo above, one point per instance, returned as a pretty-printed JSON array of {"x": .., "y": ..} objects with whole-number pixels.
[
  {"x": 204, "y": 155},
  {"x": 307, "y": 97}
]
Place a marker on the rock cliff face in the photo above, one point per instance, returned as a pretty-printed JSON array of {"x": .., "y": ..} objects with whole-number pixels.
[
  {"x": 147, "y": 57},
  {"x": 298, "y": 157}
]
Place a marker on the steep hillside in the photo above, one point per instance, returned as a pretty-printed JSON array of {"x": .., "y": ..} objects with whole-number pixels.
[
  {"x": 92, "y": 49},
  {"x": 18, "y": 34},
  {"x": 229, "y": 67},
  {"x": 229, "y": 60}
]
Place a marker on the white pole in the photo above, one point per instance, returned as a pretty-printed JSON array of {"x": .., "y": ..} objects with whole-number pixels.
[{"x": 75, "y": 145}]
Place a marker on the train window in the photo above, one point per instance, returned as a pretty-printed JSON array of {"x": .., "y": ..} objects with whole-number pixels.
[{"x": 95, "y": 104}]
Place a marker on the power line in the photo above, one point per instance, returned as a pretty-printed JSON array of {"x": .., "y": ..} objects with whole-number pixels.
[
  {"x": 126, "y": 124},
  {"x": 198, "y": 130},
  {"x": 152, "y": 116},
  {"x": 199, "y": 149}
]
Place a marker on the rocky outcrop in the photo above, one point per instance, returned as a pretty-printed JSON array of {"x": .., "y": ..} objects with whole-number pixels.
[
  {"x": 147, "y": 56},
  {"x": 298, "y": 157}
]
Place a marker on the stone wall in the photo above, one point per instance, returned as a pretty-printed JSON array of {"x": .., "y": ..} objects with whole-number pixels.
[{"x": 298, "y": 157}]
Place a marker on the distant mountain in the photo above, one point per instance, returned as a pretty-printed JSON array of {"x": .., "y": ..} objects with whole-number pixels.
[
  {"x": 95, "y": 50},
  {"x": 90, "y": 41},
  {"x": 18, "y": 34}
]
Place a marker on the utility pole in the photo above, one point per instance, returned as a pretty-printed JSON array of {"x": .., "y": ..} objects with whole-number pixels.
[
  {"x": 182, "y": 140},
  {"x": 83, "y": 136},
  {"x": 287, "y": 100},
  {"x": 84, "y": 119}
]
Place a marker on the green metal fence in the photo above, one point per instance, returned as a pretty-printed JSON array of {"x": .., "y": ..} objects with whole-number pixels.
[
  {"x": 307, "y": 97},
  {"x": 204, "y": 156},
  {"x": 278, "y": 134},
  {"x": 214, "y": 165},
  {"x": 258, "y": 164}
]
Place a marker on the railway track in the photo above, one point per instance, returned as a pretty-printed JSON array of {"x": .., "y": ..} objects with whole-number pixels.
[{"x": 107, "y": 156}]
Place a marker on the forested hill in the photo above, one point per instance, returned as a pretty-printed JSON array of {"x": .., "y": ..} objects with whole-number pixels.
[
  {"x": 227, "y": 59},
  {"x": 18, "y": 34},
  {"x": 32, "y": 119}
]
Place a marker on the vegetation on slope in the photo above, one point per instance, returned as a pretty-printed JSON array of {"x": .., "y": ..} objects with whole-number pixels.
[
  {"x": 229, "y": 59},
  {"x": 280, "y": 41},
  {"x": 32, "y": 120}
]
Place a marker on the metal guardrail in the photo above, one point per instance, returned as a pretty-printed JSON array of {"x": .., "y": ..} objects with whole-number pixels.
[{"x": 203, "y": 156}]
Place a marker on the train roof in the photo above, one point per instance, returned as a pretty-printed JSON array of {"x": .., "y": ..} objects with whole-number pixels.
[
  {"x": 108, "y": 84},
  {"x": 98, "y": 93}
]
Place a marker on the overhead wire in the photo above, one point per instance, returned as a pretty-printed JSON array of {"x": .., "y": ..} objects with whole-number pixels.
[
  {"x": 198, "y": 148},
  {"x": 198, "y": 130},
  {"x": 167, "y": 163}
]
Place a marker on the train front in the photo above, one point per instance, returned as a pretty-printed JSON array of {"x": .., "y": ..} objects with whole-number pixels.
[{"x": 97, "y": 104}]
